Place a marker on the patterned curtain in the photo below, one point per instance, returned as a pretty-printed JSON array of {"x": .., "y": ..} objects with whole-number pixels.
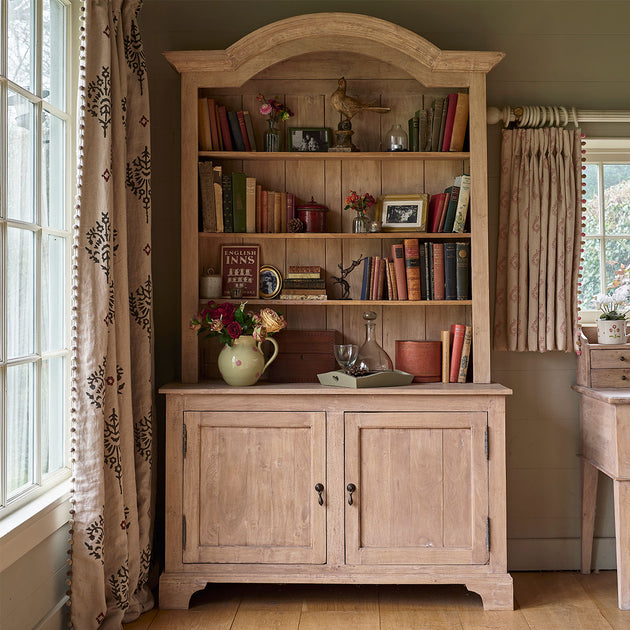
[
  {"x": 113, "y": 364},
  {"x": 539, "y": 240}
]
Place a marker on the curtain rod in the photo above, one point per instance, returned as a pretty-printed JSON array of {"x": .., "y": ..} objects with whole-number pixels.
[{"x": 547, "y": 115}]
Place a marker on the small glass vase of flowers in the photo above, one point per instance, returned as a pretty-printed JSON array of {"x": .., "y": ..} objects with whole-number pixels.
[
  {"x": 611, "y": 325},
  {"x": 277, "y": 112},
  {"x": 360, "y": 204}
]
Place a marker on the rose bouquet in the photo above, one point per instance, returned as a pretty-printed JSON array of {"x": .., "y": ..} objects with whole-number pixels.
[
  {"x": 275, "y": 110},
  {"x": 359, "y": 203},
  {"x": 229, "y": 322}
]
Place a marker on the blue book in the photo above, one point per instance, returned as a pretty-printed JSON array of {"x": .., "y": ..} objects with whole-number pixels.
[
  {"x": 366, "y": 277},
  {"x": 450, "y": 273}
]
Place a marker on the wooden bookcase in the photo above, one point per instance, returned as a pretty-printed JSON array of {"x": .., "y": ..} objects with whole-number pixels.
[{"x": 437, "y": 518}]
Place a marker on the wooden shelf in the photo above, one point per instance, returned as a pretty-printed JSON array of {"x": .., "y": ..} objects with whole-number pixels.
[
  {"x": 360, "y": 155},
  {"x": 202, "y": 303},
  {"x": 336, "y": 235}
]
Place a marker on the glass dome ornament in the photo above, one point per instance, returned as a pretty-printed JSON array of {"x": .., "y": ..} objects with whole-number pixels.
[
  {"x": 396, "y": 139},
  {"x": 371, "y": 356}
]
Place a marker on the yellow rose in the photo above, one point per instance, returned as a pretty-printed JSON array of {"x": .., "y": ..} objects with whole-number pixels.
[{"x": 272, "y": 321}]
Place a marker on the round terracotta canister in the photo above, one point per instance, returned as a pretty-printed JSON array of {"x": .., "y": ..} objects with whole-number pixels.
[
  {"x": 313, "y": 215},
  {"x": 423, "y": 359}
]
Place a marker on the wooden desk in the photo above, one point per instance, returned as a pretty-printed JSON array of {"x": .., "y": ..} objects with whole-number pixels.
[{"x": 605, "y": 446}]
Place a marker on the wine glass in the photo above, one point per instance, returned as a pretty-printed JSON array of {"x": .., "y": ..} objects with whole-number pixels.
[{"x": 346, "y": 354}]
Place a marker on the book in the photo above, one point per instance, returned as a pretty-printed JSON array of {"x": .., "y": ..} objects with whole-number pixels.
[
  {"x": 303, "y": 291},
  {"x": 250, "y": 204},
  {"x": 258, "y": 208},
  {"x": 414, "y": 133},
  {"x": 206, "y": 194},
  {"x": 279, "y": 211},
  {"x": 445, "y": 336},
  {"x": 314, "y": 269},
  {"x": 445, "y": 202},
  {"x": 452, "y": 205},
  {"x": 450, "y": 117},
  {"x": 442, "y": 123},
  {"x": 398, "y": 257},
  {"x": 465, "y": 356},
  {"x": 389, "y": 291},
  {"x": 205, "y": 136},
  {"x": 366, "y": 275},
  {"x": 241, "y": 123},
  {"x": 380, "y": 283},
  {"x": 313, "y": 298},
  {"x": 457, "y": 332},
  {"x": 435, "y": 207},
  {"x": 412, "y": 267},
  {"x": 250, "y": 130},
  {"x": 450, "y": 270},
  {"x": 228, "y": 216},
  {"x": 463, "y": 202},
  {"x": 392, "y": 271},
  {"x": 290, "y": 207},
  {"x": 374, "y": 278},
  {"x": 460, "y": 122},
  {"x": 271, "y": 208},
  {"x": 239, "y": 201},
  {"x": 219, "y": 131},
  {"x": 282, "y": 211},
  {"x": 428, "y": 269},
  {"x": 225, "y": 128},
  {"x": 264, "y": 195},
  {"x": 217, "y": 179},
  {"x": 214, "y": 131},
  {"x": 438, "y": 272},
  {"x": 422, "y": 130},
  {"x": 423, "y": 271},
  {"x": 436, "y": 109},
  {"x": 304, "y": 283},
  {"x": 235, "y": 131},
  {"x": 463, "y": 270}
]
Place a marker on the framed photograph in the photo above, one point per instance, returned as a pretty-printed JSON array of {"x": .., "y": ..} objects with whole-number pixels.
[
  {"x": 308, "y": 138},
  {"x": 270, "y": 282},
  {"x": 239, "y": 271},
  {"x": 403, "y": 213}
]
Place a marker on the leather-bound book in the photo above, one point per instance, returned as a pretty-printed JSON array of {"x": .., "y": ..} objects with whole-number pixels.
[
  {"x": 398, "y": 256},
  {"x": 412, "y": 268}
]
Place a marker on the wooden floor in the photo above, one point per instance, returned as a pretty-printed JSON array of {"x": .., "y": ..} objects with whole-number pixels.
[{"x": 543, "y": 601}]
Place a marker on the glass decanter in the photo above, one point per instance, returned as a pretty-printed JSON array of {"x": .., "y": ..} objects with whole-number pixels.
[{"x": 371, "y": 356}]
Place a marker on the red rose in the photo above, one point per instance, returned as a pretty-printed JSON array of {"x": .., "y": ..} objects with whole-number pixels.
[
  {"x": 226, "y": 311},
  {"x": 234, "y": 330}
]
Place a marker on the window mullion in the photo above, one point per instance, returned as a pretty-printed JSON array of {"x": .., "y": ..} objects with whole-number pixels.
[{"x": 602, "y": 224}]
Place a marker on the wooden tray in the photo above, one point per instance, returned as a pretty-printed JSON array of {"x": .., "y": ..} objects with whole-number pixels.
[{"x": 378, "y": 379}]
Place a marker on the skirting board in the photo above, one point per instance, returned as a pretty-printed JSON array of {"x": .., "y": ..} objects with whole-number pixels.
[{"x": 558, "y": 554}]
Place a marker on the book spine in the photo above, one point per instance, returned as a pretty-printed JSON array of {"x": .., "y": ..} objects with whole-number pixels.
[
  {"x": 217, "y": 178},
  {"x": 465, "y": 358},
  {"x": 250, "y": 204},
  {"x": 302, "y": 276},
  {"x": 442, "y": 123},
  {"x": 388, "y": 279},
  {"x": 303, "y": 291},
  {"x": 439, "y": 290},
  {"x": 243, "y": 129},
  {"x": 429, "y": 260},
  {"x": 458, "y": 331},
  {"x": 450, "y": 271},
  {"x": 375, "y": 272},
  {"x": 423, "y": 124},
  {"x": 460, "y": 122},
  {"x": 463, "y": 271},
  {"x": 392, "y": 271},
  {"x": 463, "y": 202},
  {"x": 452, "y": 206},
  {"x": 259, "y": 208},
  {"x": 366, "y": 275},
  {"x": 225, "y": 128},
  {"x": 235, "y": 131},
  {"x": 380, "y": 284},
  {"x": 446, "y": 353},
  {"x": 239, "y": 202},
  {"x": 264, "y": 199},
  {"x": 206, "y": 190},
  {"x": 398, "y": 256},
  {"x": 250, "y": 130},
  {"x": 412, "y": 268},
  {"x": 205, "y": 137},
  {"x": 219, "y": 132},
  {"x": 444, "y": 207},
  {"x": 271, "y": 208},
  {"x": 304, "y": 283},
  {"x": 436, "y": 110},
  {"x": 305, "y": 269},
  {"x": 214, "y": 130},
  {"x": 434, "y": 211},
  {"x": 450, "y": 117},
  {"x": 424, "y": 275},
  {"x": 228, "y": 216},
  {"x": 290, "y": 207},
  {"x": 278, "y": 213},
  {"x": 282, "y": 212},
  {"x": 368, "y": 288}
]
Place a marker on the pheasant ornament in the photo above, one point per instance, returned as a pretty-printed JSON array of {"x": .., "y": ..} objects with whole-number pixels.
[{"x": 348, "y": 106}]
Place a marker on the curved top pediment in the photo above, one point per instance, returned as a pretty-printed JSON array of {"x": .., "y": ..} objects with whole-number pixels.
[{"x": 326, "y": 32}]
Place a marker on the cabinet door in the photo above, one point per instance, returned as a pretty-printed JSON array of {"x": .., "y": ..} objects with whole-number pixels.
[
  {"x": 249, "y": 487},
  {"x": 421, "y": 488}
]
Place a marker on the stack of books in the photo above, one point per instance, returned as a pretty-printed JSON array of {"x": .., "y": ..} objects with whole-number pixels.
[
  {"x": 448, "y": 211},
  {"x": 304, "y": 283},
  {"x": 456, "y": 349},
  {"x": 223, "y": 130}
]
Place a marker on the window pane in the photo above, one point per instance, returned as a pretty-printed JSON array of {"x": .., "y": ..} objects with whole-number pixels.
[
  {"x": 53, "y": 53},
  {"x": 20, "y": 429},
  {"x": 617, "y": 254},
  {"x": 20, "y": 283},
  {"x": 591, "y": 195},
  {"x": 617, "y": 198},
  {"x": 53, "y": 414},
  {"x": 53, "y": 167},
  {"x": 20, "y": 185},
  {"x": 53, "y": 293},
  {"x": 591, "y": 284},
  {"x": 21, "y": 42}
]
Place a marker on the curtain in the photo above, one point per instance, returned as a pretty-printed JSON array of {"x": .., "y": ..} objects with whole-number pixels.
[
  {"x": 540, "y": 226},
  {"x": 113, "y": 337}
]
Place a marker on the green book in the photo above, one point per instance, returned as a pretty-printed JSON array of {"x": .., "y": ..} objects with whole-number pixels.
[
  {"x": 228, "y": 216},
  {"x": 239, "y": 201}
]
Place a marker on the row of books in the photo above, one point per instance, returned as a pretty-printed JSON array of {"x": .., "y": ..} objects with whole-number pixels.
[
  {"x": 448, "y": 211},
  {"x": 224, "y": 130},
  {"x": 441, "y": 127},
  {"x": 456, "y": 352},
  {"x": 304, "y": 283},
  {"x": 234, "y": 202},
  {"x": 417, "y": 270}
]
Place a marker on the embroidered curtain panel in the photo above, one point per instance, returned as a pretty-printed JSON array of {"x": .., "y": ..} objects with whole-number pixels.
[
  {"x": 539, "y": 240},
  {"x": 112, "y": 376}
]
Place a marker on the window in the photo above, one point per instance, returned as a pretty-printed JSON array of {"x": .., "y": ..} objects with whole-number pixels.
[
  {"x": 607, "y": 218},
  {"x": 36, "y": 191}
]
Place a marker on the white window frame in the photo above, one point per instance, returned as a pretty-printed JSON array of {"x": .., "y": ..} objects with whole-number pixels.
[
  {"x": 602, "y": 151},
  {"x": 33, "y": 505}
]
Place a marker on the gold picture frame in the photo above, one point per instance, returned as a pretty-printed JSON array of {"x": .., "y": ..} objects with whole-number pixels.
[
  {"x": 270, "y": 282},
  {"x": 403, "y": 213}
]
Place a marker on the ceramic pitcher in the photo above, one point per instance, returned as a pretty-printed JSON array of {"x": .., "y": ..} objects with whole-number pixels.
[{"x": 243, "y": 363}]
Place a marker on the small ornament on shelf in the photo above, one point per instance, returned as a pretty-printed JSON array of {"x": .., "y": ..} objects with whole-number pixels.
[
  {"x": 360, "y": 204},
  {"x": 277, "y": 112},
  {"x": 341, "y": 280},
  {"x": 295, "y": 226}
]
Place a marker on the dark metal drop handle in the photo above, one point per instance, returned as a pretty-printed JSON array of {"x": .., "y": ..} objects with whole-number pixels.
[
  {"x": 319, "y": 488},
  {"x": 351, "y": 488}
]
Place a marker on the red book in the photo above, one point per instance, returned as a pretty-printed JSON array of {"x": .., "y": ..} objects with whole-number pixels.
[
  {"x": 214, "y": 129},
  {"x": 241, "y": 124},
  {"x": 457, "y": 332},
  {"x": 264, "y": 222},
  {"x": 290, "y": 207},
  {"x": 438, "y": 271},
  {"x": 398, "y": 256},
  {"x": 435, "y": 211},
  {"x": 412, "y": 268},
  {"x": 225, "y": 128},
  {"x": 447, "y": 198},
  {"x": 450, "y": 117}
]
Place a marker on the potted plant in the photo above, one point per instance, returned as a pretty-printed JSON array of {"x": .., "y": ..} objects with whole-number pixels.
[{"x": 611, "y": 325}]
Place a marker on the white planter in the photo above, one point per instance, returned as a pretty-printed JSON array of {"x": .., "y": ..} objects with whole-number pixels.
[{"x": 611, "y": 331}]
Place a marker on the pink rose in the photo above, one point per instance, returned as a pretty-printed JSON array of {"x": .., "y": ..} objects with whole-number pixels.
[{"x": 265, "y": 109}]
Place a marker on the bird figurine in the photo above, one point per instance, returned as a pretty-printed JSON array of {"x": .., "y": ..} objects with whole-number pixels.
[{"x": 348, "y": 106}]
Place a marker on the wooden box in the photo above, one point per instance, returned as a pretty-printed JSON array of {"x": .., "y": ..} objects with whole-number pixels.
[{"x": 303, "y": 354}]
